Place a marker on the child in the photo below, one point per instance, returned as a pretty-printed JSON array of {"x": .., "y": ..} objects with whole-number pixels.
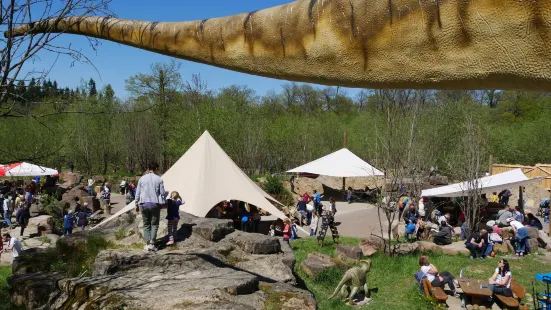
[
  {"x": 287, "y": 231},
  {"x": 294, "y": 231},
  {"x": 272, "y": 231},
  {"x": 173, "y": 215},
  {"x": 314, "y": 224}
]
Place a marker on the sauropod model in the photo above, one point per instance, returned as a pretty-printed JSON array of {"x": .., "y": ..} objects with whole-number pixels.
[{"x": 418, "y": 44}]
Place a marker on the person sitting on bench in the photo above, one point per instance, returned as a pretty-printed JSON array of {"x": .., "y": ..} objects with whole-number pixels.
[
  {"x": 500, "y": 282},
  {"x": 435, "y": 277}
]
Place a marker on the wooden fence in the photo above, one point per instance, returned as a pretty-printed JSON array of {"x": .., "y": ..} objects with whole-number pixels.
[{"x": 539, "y": 170}]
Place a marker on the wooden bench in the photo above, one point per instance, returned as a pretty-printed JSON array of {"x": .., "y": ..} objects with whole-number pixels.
[
  {"x": 436, "y": 292},
  {"x": 512, "y": 302}
]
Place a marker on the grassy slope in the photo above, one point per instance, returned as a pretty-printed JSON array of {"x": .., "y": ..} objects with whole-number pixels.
[
  {"x": 5, "y": 301},
  {"x": 394, "y": 276}
]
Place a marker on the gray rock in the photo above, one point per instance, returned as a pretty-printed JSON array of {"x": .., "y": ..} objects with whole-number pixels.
[
  {"x": 288, "y": 254},
  {"x": 53, "y": 238},
  {"x": 33, "y": 290},
  {"x": 316, "y": 263},
  {"x": 406, "y": 249},
  {"x": 269, "y": 268},
  {"x": 255, "y": 243},
  {"x": 348, "y": 253},
  {"x": 370, "y": 245},
  {"x": 212, "y": 229},
  {"x": 41, "y": 225},
  {"x": 289, "y": 297}
]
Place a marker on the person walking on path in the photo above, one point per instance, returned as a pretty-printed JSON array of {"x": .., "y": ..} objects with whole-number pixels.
[
  {"x": 150, "y": 196},
  {"x": 22, "y": 216},
  {"x": 13, "y": 245},
  {"x": 173, "y": 215},
  {"x": 7, "y": 211},
  {"x": 82, "y": 217}
]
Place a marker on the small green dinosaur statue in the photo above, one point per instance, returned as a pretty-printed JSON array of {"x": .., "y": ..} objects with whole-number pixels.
[{"x": 353, "y": 281}]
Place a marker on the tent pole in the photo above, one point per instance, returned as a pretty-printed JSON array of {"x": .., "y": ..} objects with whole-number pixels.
[
  {"x": 344, "y": 183},
  {"x": 520, "y": 198},
  {"x": 491, "y": 170}
]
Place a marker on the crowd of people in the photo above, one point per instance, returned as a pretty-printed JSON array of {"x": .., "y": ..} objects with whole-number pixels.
[
  {"x": 499, "y": 283},
  {"x": 420, "y": 224}
]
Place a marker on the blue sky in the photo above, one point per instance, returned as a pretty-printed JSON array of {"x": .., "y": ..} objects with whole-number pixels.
[{"x": 116, "y": 62}]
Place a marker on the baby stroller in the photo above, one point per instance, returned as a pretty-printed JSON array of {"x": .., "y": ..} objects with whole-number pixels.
[{"x": 543, "y": 210}]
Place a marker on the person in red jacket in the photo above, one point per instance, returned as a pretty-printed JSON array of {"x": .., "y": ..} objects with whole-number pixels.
[{"x": 287, "y": 230}]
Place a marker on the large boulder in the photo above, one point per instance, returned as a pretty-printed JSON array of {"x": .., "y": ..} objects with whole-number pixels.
[
  {"x": 41, "y": 225},
  {"x": 76, "y": 192},
  {"x": 288, "y": 297},
  {"x": 71, "y": 178},
  {"x": 427, "y": 246},
  {"x": 501, "y": 247},
  {"x": 316, "y": 263},
  {"x": 93, "y": 203},
  {"x": 534, "y": 244},
  {"x": 370, "y": 245},
  {"x": 212, "y": 229},
  {"x": 403, "y": 249},
  {"x": 455, "y": 248},
  {"x": 269, "y": 268},
  {"x": 124, "y": 279},
  {"x": 533, "y": 232},
  {"x": 255, "y": 243},
  {"x": 348, "y": 253}
]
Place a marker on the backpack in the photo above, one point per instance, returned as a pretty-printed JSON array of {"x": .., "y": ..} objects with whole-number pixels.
[{"x": 419, "y": 276}]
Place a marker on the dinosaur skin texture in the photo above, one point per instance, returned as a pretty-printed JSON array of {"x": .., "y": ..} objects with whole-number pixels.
[{"x": 417, "y": 44}]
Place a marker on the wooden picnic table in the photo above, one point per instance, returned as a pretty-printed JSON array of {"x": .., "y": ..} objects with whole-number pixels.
[{"x": 471, "y": 287}]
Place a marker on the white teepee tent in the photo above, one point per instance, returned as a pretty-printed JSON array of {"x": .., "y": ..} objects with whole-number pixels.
[{"x": 204, "y": 176}]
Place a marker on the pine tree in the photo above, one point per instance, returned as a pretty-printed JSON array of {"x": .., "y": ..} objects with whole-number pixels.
[{"x": 92, "y": 87}]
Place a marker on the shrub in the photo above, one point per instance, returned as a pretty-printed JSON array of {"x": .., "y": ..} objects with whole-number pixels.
[{"x": 274, "y": 187}]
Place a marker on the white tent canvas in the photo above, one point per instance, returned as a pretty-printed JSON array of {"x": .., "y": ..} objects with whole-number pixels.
[
  {"x": 204, "y": 176},
  {"x": 341, "y": 163},
  {"x": 25, "y": 169},
  {"x": 489, "y": 184}
]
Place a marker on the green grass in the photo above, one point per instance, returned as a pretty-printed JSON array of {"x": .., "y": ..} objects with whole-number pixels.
[
  {"x": 5, "y": 300},
  {"x": 397, "y": 289}
]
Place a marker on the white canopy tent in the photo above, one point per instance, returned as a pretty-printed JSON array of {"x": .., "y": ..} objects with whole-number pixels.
[
  {"x": 489, "y": 184},
  {"x": 204, "y": 176},
  {"x": 341, "y": 163},
  {"x": 24, "y": 169}
]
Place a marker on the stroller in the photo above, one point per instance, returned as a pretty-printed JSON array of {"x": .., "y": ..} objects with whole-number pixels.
[{"x": 543, "y": 210}]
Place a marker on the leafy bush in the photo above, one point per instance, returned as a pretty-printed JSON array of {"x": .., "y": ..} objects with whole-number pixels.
[
  {"x": 53, "y": 208},
  {"x": 274, "y": 187}
]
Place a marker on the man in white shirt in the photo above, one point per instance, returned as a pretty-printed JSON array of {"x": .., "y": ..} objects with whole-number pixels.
[
  {"x": 13, "y": 245},
  {"x": 521, "y": 236}
]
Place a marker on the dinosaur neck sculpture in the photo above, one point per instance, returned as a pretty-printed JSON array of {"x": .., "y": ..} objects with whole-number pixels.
[{"x": 423, "y": 44}]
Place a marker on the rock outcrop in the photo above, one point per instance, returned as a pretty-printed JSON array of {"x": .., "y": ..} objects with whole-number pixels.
[
  {"x": 370, "y": 245},
  {"x": 316, "y": 263},
  {"x": 41, "y": 225},
  {"x": 212, "y": 268},
  {"x": 348, "y": 253}
]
